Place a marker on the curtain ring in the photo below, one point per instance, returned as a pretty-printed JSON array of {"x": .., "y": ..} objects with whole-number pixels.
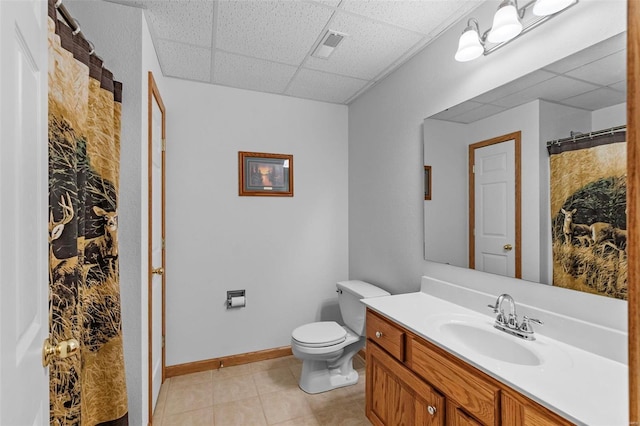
[
  {"x": 93, "y": 48},
  {"x": 58, "y": 3},
  {"x": 78, "y": 29}
]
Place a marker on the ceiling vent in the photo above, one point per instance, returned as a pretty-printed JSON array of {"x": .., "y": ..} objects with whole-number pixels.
[{"x": 329, "y": 42}]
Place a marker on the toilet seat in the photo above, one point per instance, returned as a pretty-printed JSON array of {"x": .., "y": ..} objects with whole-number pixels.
[{"x": 319, "y": 334}]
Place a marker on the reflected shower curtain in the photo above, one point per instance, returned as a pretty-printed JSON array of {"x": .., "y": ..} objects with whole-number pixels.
[
  {"x": 588, "y": 214},
  {"x": 88, "y": 388}
]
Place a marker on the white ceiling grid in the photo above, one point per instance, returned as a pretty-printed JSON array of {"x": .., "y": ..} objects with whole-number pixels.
[{"x": 266, "y": 45}]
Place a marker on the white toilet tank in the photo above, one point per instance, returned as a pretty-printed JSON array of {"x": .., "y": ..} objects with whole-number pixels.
[{"x": 353, "y": 311}]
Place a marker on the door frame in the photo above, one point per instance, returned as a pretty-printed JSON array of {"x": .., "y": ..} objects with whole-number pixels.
[
  {"x": 516, "y": 137},
  {"x": 154, "y": 96}
]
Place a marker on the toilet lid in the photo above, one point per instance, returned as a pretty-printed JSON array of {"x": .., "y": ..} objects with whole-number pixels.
[{"x": 319, "y": 334}]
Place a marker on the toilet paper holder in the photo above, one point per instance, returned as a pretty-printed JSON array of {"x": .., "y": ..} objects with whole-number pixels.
[{"x": 231, "y": 294}]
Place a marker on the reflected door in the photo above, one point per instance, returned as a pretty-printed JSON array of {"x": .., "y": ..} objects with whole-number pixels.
[
  {"x": 24, "y": 319},
  {"x": 157, "y": 280},
  {"x": 495, "y": 228}
]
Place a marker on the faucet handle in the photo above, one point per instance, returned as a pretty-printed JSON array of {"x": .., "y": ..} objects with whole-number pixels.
[
  {"x": 526, "y": 324},
  {"x": 494, "y": 307}
]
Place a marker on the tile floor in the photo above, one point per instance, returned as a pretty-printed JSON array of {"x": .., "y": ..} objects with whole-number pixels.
[{"x": 261, "y": 393}]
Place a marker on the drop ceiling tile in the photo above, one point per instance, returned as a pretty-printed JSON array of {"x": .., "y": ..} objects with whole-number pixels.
[
  {"x": 605, "y": 71},
  {"x": 184, "y": 61},
  {"x": 421, "y": 16},
  {"x": 478, "y": 114},
  {"x": 590, "y": 54},
  {"x": 554, "y": 89},
  {"x": 597, "y": 99},
  {"x": 323, "y": 86},
  {"x": 279, "y": 31},
  {"x": 189, "y": 22},
  {"x": 330, "y": 3},
  {"x": 251, "y": 73},
  {"x": 620, "y": 86},
  {"x": 515, "y": 86},
  {"x": 368, "y": 50},
  {"x": 450, "y": 113}
]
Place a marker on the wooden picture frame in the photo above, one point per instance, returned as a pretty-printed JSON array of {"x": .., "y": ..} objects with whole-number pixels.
[
  {"x": 427, "y": 182},
  {"x": 265, "y": 175}
]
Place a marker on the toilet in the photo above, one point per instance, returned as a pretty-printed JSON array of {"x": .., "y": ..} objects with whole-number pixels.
[{"x": 327, "y": 348}]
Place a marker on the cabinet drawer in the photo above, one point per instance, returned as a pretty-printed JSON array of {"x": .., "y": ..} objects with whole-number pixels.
[
  {"x": 386, "y": 335},
  {"x": 475, "y": 395}
]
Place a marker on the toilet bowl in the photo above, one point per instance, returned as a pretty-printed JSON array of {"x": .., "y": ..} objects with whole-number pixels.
[{"x": 327, "y": 348}]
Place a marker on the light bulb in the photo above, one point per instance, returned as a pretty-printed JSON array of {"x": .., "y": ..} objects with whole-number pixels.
[
  {"x": 469, "y": 46},
  {"x": 549, "y": 7},
  {"x": 506, "y": 23}
]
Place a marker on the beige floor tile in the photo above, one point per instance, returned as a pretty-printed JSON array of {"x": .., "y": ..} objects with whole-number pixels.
[
  {"x": 350, "y": 414},
  {"x": 201, "y": 417},
  {"x": 188, "y": 397},
  {"x": 157, "y": 421},
  {"x": 285, "y": 405},
  {"x": 239, "y": 413},
  {"x": 296, "y": 370},
  {"x": 270, "y": 364},
  {"x": 233, "y": 371},
  {"x": 325, "y": 400},
  {"x": 189, "y": 379},
  {"x": 162, "y": 400},
  {"x": 234, "y": 389},
  {"x": 300, "y": 421},
  {"x": 358, "y": 363},
  {"x": 274, "y": 380}
]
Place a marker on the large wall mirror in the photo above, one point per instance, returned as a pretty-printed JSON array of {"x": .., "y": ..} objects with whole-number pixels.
[{"x": 583, "y": 93}]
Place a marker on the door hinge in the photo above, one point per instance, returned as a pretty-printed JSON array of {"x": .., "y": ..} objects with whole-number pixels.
[
  {"x": 164, "y": 144},
  {"x": 163, "y": 340},
  {"x": 163, "y": 244},
  {"x": 473, "y": 168}
]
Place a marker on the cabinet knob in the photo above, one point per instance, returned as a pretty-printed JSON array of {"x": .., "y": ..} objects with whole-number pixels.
[
  {"x": 378, "y": 334},
  {"x": 431, "y": 409}
]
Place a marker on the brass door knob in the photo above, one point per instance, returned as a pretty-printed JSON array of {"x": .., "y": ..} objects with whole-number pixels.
[
  {"x": 508, "y": 247},
  {"x": 157, "y": 271},
  {"x": 62, "y": 350}
]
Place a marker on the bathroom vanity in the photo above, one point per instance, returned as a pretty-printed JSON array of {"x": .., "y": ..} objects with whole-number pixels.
[{"x": 432, "y": 362}]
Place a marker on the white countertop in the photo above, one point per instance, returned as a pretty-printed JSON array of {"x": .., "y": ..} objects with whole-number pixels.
[{"x": 581, "y": 386}]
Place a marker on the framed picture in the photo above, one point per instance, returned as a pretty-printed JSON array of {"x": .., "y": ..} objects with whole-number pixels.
[
  {"x": 263, "y": 174},
  {"x": 427, "y": 182}
]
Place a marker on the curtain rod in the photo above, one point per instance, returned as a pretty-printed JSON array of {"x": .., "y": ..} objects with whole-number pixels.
[
  {"x": 73, "y": 24},
  {"x": 590, "y": 135}
]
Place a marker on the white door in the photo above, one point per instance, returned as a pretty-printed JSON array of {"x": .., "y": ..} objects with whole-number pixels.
[
  {"x": 156, "y": 194},
  {"x": 24, "y": 322},
  {"x": 495, "y": 208}
]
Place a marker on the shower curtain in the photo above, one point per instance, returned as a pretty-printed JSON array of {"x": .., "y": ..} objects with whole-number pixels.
[
  {"x": 88, "y": 388},
  {"x": 588, "y": 214}
]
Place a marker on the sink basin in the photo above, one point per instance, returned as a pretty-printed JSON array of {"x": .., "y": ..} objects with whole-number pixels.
[{"x": 492, "y": 343}]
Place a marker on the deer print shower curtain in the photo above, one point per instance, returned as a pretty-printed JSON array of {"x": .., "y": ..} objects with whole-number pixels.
[
  {"x": 87, "y": 388},
  {"x": 588, "y": 214}
]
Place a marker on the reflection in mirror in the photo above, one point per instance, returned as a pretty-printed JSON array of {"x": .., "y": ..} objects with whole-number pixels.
[{"x": 580, "y": 94}]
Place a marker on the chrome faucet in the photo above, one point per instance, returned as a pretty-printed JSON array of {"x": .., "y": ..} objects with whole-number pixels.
[{"x": 509, "y": 323}]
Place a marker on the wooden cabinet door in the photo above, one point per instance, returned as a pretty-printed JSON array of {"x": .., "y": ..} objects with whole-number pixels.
[
  {"x": 457, "y": 417},
  {"x": 395, "y": 396},
  {"x": 521, "y": 411}
]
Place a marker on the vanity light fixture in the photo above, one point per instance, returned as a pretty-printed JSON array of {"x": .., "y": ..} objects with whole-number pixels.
[{"x": 507, "y": 26}]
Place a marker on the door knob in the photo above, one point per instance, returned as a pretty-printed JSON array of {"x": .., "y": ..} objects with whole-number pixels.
[
  {"x": 508, "y": 247},
  {"x": 432, "y": 410},
  {"x": 62, "y": 350},
  {"x": 157, "y": 271}
]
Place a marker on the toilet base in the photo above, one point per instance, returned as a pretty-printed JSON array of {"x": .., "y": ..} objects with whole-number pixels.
[
  {"x": 320, "y": 379},
  {"x": 321, "y": 376}
]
